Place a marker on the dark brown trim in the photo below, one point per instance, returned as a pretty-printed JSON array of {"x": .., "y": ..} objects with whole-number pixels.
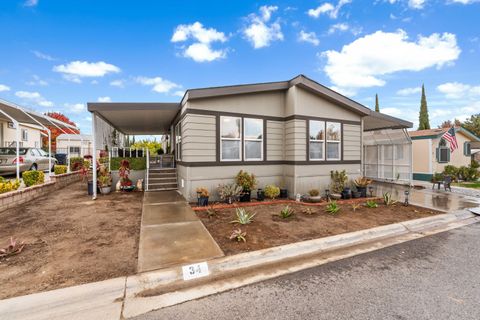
[
  {"x": 219, "y": 140},
  {"x": 264, "y": 143},
  {"x": 341, "y": 141},
  {"x": 257, "y": 163},
  {"x": 302, "y": 117},
  {"x": 307, "y": 126}
]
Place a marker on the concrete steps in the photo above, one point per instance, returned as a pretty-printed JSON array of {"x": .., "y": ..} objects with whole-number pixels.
[{"x": 162, "y": 179}]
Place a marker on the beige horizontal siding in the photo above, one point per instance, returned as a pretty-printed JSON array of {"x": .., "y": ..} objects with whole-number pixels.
[
  {"x": 275, "y": 140},
  {"x": 198, "y": 138},
  {"x": 352, "y": 142},
  {"x": 295, "y": 140}
]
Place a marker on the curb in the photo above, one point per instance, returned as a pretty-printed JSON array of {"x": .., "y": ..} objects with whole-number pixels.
[{"x": 131, "y": 296}]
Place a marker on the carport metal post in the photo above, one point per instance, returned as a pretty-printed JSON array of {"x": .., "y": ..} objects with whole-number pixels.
[
  {"x": 94, "y": 155},
  {"x": 17, "y": 142},
  {"x": 49, "y": 142}
]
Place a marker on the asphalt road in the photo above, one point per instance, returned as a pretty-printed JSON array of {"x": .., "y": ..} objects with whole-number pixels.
[{"x": 436, "y": 277}]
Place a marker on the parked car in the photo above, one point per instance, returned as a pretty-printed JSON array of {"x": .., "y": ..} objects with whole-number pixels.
[{"x": 29, "y": 159}]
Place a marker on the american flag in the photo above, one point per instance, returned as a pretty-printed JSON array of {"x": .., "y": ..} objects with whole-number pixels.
[{"x": 450, "y": 137}]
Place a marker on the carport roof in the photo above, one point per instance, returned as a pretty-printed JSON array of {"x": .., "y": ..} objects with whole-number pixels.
[{"x": 141, "y": 118}]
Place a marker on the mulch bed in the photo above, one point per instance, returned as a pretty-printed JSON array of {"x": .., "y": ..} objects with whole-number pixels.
[
  {"x": 70, "y": 239},
  {"x": 310, "y": 221}
]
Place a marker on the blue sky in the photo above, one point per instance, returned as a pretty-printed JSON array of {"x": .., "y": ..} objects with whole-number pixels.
[{"x": 56, "y": 55}]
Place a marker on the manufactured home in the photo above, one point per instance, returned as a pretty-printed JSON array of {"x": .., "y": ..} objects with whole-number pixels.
[{"x": 288, "y": 133}]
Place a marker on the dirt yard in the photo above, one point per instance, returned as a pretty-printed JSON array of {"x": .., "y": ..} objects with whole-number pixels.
[
  {"x": 269, "y": 230},
  {"x": 70, "y": 239}
]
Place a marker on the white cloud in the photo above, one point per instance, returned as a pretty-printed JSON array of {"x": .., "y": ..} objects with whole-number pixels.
[
  {"x": 328, "y": 9},
  {"x": 4, "y": 88},
  {"x": 394, "y": 112},
  {"x": 37, "y": 81},
  {"x": 34, "y": 97},
  {"x": 343, "y": 27},
  {"x": 259, "y": 32},
  {"x": 104, "y": 99},
  {"x": 416, "y": 4},
  {"x": 30, "y": 3},
  {"x": 365, "y": 61},
  {"x": 158, "y": 84},
  {"x": 457, "y": 90},
  {"x": 201, "y": 50},
  {"x": 118, "y": 83},
  {"x": 75, "y": 107},
  {"x": 179, "y": 93},
  {"x": 88, "y": 118},
  {"x": 75, "y": 70},
  {"x": 463, "y": 1},
  {"x": 43, "y": 56},
  {"x": 409, "y": 91},
  {"x": 310, "y": 37}
]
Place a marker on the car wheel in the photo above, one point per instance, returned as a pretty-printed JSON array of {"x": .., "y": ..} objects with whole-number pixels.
[{"x": 33, "y": 167}]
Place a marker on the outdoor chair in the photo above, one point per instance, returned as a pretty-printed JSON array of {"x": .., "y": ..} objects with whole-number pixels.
[{"x": 447, "y": 180}]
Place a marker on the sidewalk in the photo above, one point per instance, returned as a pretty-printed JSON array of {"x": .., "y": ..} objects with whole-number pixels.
[{"x": 171, "y": 233}]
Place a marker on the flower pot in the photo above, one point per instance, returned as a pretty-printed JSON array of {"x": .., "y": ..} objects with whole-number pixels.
[
  {"x": 346, "y": 194},
  {"x": 283, "y": 194},
  {"x": 245, "y": 196},
  {"x": 128, "y": 188},
  {"x": 363, "y": 191},
  {"x": 90, "y": 187},
  {"x": 356, "y": 194},
  {"x": 335, "y": 196},
  {"x": 105, "y": 189},
  {"x": 260, "y": 195},
  {"x": 229, "y": 200},
  {"x": 203, "y": 201},
  {"x": 315, "y": 198}
]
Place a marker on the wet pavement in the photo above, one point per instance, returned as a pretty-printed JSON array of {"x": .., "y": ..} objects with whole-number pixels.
[
  {"x": 171, "y": 233},
  {"x": 436, "y": 199}
]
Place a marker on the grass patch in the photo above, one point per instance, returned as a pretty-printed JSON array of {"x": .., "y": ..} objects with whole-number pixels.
[{"x": 473, "y": 185}]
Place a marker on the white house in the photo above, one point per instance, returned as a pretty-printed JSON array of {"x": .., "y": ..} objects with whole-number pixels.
[
  {"x": 30, "y": 135},
  {"x": 77, "y": 145}
]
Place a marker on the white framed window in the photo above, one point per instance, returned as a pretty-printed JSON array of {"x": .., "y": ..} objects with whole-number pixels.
[
  {"x": 10, "y": 125},
  {"x": 230, "y": 138},
  {"x": 178, "y": 141},
  {"x": 253, "y": 139},
  {"x": 317, "y": 140},
  {"x": 74, "y": 149},
  {"x": 24, "y": 135},
  {"x": 333, "y": 138}
]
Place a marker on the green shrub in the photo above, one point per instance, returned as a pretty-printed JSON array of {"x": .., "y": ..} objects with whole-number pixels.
[
  {"x": 7, "y": 186},
  {"x": 272, "y": 191},
  {"x": 60, "y": 169},
  {"x": 332, "y": 207},
  {"x": 76, "y": 163},
  {"x": 464, "y": 173},
  {"x": 247, "y": 181},
  {"x": 135, "y": 163},
  {"x": 31, "y": 178},
  {"x": 450, "y": 170}
]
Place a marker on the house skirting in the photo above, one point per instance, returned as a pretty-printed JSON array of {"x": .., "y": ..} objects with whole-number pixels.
[{"x": 297, "y": 179}]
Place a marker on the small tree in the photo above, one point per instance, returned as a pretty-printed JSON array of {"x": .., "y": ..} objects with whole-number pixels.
[
  {"x": 423, "y": 121},
  {"x": 473, "y": 124},
  {"x": 377, "y": 106}
]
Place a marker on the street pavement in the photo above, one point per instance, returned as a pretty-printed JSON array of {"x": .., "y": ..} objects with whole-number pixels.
[{"x": 436, "y": 277}]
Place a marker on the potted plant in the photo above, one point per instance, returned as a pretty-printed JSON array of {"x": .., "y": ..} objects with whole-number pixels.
[
  {"x": 229, "y": 192},
  {"x": 272, "y": 191},
  {"x": 105, "y": 183},
  {"x": 314, "y": 195},
  {"x": 362, "y": 183},
  {"x": 124, "y": 170},
  {"x": 260, "y": 195},
  {"x": 283, "y": 193},
  {"x": 339, "y": 181},
  {"x": 247, "y": 182},
  {"x": 346, "y": 193},
  {"x": 202, "y": 196},
  {"x": 355, "y": 192}
]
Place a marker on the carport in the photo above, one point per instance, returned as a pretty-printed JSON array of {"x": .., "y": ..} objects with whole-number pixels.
[
  {"x": 127, "y": 118},
  {"x": 16, "y": 114}
]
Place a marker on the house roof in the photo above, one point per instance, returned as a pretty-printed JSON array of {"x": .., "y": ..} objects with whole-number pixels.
[
  {"x": 156, "y": 117},
  {"x": 438, "y": 132}
]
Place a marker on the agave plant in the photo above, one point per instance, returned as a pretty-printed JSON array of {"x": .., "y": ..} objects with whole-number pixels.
[
  {"x": 238, "y": 235},
  {"x": 243, "y": 216},
  {"x": 13, "y": 248},
  {"x": 371, "y": 204},
  {"x": 286, "y": 212},
  {"x": 387, "y": 199},
  {"x": 332, "y": 207},
  {"x": 355, "y": 206},
  {"x": 308, "y": 211}
]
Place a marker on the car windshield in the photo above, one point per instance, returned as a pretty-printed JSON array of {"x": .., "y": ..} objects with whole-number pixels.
[{"x": 12, "y": 151}]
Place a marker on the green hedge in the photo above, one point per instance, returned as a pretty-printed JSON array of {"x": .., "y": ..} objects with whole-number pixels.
[
  {"x": 31, "y": 178},
  {"x": 60, "y": 169},
  {"x": 135, "y": 163}
]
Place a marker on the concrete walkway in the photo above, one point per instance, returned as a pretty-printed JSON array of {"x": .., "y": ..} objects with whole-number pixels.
[
  {"x": 435, "y": 199},
  {"x": 171, "y": 233}
]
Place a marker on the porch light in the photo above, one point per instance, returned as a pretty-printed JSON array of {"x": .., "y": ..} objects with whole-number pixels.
[
  {"x": 327, "y": 194},
  {"x": 406, "y": 197},
  {"x": 370, "y": 189}
]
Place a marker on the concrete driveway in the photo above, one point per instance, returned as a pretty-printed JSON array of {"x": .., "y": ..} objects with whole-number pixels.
[{"x": 434, "y": 277}]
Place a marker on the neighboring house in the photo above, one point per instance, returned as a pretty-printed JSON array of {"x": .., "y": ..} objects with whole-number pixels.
[
  {"x": 77, "y": 145},
  {"x": 30, "y": 135},
  {"x": 288, "y": 133},
  {"x": 431, "y": 153}
]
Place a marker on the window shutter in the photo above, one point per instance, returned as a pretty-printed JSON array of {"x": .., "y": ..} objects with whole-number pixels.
[
  {"x": 437, "y": 154},
  {"x": 448, "y": 155},
  {"x": 466, "y": 148}
]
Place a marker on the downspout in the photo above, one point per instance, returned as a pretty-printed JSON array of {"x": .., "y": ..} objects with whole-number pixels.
[
  {"x": 17, "y": 138},
  {"x": 94, "y": 155}
]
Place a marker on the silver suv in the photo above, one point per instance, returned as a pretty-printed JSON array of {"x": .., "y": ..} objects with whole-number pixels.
[{"x": 29, "y": 159}]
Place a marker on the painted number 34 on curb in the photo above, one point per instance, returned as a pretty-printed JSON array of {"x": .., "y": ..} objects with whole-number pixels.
[{"x": 196, "y": 270}]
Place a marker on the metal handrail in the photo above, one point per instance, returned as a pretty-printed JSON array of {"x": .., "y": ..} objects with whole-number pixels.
[{"x": 148, "y": 170}]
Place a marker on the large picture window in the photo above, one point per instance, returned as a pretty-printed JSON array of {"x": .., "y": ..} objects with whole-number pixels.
[
  {"x": 317, "y": 140},
  {"x": 253, "y": 138},
  {"x": 333, "y": 136},
  {"x": 231, "y": 138}
]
